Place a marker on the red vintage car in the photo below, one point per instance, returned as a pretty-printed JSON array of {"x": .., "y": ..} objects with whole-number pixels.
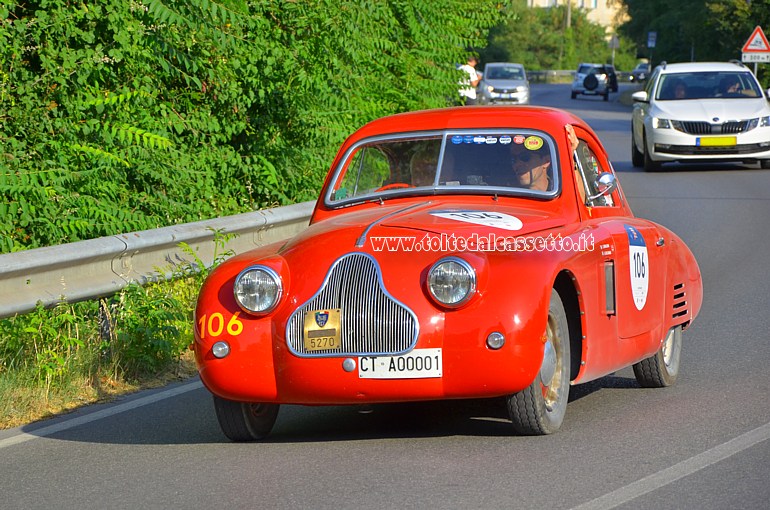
[{"x": 455, "y": 253}]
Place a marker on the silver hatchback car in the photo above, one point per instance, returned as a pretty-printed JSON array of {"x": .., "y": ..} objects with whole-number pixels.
[{"x": 503, "y": 83}]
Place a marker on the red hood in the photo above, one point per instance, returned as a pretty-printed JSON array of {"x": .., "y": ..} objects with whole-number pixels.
[{"x": 342, "y": 233}]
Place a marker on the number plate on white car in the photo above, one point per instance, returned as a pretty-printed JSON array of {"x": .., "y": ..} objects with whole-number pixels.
[{"x": 418, "y": 364}]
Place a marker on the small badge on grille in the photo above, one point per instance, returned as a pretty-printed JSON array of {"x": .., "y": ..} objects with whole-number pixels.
[
  {"x": 322, "y": 330},
  {"x": 321, "y": 318}
]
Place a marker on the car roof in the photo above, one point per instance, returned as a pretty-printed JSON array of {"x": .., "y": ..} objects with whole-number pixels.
[
  {"x": 493, "y": 64},
  {"x": 475, "y": 117},
  {"x": 695, "y": 67}
]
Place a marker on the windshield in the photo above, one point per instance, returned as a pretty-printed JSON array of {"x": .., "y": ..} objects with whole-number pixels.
[
  {"x": 707, "y": 85},
  {"x": 482, "y": 161},
  {"x": 504, "y": 73}
]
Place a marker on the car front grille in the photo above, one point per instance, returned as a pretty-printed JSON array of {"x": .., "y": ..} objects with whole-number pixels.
[
  {"x": 372, "y": 322},
  {"x": 707, "y": 128}
]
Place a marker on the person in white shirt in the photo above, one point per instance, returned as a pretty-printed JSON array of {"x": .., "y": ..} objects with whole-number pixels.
[{"x": 468, "y": 84}]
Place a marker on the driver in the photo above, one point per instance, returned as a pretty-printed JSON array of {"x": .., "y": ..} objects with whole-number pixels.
[
  {"x": 729, "y": 85},
  {"x": 530, "y": 167}
]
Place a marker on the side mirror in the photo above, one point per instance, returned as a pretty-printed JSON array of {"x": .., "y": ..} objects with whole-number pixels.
[
  {"x": 640, "y": 96},
  {"x": 605, "y": 184},
  {"x": 767, "y": 93}
]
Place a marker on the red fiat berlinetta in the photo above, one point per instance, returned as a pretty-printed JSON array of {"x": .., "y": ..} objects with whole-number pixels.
[{"x": 455, "y": 253}]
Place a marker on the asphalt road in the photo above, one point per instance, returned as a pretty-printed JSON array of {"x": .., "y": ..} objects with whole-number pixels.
[{"x": 701, "y": 444}]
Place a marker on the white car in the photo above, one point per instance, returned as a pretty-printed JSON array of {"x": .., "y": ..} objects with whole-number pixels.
[{"x": 705, "y": 111}]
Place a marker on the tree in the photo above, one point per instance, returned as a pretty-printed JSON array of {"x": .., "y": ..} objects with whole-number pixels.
[
  {"x": 695, "y": 30},
  {"x": 540, "y": 38}
]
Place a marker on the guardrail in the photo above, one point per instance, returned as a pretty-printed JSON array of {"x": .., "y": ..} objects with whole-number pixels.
[
  {"x": 565, "y": 76},
  {"x": 101, "y": 267}
]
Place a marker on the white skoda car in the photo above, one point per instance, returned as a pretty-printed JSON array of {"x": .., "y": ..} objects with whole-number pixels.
[{"x": 700, "y": 112}]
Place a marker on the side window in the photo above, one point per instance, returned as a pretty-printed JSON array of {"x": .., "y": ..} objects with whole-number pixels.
[
  {"x": 589, "y": 168},
  {"x": 650, "y": 86}
]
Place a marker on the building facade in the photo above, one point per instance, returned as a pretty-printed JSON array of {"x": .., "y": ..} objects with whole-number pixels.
[{"x": 607, "y": 13}]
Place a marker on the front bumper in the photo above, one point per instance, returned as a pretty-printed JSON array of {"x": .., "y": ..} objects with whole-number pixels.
[
  {"x": 505, "y": 98},
  {"x": 674, "y": 145}
]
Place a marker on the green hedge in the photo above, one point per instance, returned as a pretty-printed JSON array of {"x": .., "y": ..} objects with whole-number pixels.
[{"x": 122, "y": 115}]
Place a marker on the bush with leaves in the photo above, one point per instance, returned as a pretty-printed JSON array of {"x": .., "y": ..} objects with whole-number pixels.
[{"x": 118, "y": 115}]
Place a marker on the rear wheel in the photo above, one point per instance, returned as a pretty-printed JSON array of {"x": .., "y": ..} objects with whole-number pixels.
[
  {"x": 661, "y": 369},
  {"x": 765, "y": 163},
  {"x": 539, "y": 409},
  {"x": 650, "y": 165},
  {"x": 245, "y": 421}
]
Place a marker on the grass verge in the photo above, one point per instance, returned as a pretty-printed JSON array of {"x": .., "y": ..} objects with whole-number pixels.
[{"x": 55, "y": 360}]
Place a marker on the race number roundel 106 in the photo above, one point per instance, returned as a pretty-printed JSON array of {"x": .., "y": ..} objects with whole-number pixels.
[{"x": 639, "y": 264}]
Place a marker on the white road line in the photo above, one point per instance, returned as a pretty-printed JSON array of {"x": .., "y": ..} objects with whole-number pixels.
[
  {"x": 680, "y": 470},
  {"x": 98, "y": 415}
]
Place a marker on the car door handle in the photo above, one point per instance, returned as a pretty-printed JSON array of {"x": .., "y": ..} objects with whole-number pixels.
[{"x": 660, "y": 242}]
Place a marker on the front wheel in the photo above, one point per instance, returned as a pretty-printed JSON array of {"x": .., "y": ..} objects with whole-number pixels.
[
  {"x": 650, "y": 165},
  {"x": 765, "y": 163},
  {"x": 637, "y": 158},
  {"x": 245, "y": 421},
  {"x": 661, "y": 369},
  {"x": 540, "y": 408}
]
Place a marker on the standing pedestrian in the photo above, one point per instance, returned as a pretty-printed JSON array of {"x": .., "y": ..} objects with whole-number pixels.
[{"x": 468, "y": 84}]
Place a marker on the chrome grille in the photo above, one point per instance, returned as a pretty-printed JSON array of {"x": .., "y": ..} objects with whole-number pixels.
[
  {"x": 372, "y": 322},
  {"x": 734, "y": 127},
  {"x": 705, "y": 128},
  {"x": 695, "y": 128}
]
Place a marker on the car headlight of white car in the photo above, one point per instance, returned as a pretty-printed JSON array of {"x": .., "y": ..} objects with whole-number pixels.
[
  {"x": 658, "y": 123},
  {"x": 764, "y": 121}
]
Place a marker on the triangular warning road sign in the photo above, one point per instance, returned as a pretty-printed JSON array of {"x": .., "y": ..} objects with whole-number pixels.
[{"x": 757, "y": 43}]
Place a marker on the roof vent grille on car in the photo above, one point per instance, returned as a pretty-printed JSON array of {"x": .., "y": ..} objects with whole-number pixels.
[{"x": 372, "y": 322}]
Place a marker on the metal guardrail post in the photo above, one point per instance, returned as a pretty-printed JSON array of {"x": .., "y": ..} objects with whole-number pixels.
[{"x": 100, "y": 267}]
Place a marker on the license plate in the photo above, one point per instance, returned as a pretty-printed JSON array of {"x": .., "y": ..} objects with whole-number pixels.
[
  {"x": 322, "y": 330},
  {"x": 505, "y": 96},
  {"x": 717, "y": 141},
  {"x": 418, "y": 364}
]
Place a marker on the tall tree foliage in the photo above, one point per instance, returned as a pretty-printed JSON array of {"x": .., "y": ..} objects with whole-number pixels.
[
  {"x": 700, "y": 30},
  {"x": 540, "y": 38},
  {"x": 120, "y": 115}
]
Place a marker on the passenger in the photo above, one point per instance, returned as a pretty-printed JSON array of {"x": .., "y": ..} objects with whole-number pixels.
[
  {"x": 680, "y": 90},
  {"x": 423, "y": 165}
]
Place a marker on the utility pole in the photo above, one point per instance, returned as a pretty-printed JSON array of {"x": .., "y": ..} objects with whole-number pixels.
[{"x": 569, "y": 13}]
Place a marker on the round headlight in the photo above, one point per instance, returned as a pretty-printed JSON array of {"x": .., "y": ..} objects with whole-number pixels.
[
  {"x": 257, "y": 289},
  {"x": 451, "y": 281}
]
